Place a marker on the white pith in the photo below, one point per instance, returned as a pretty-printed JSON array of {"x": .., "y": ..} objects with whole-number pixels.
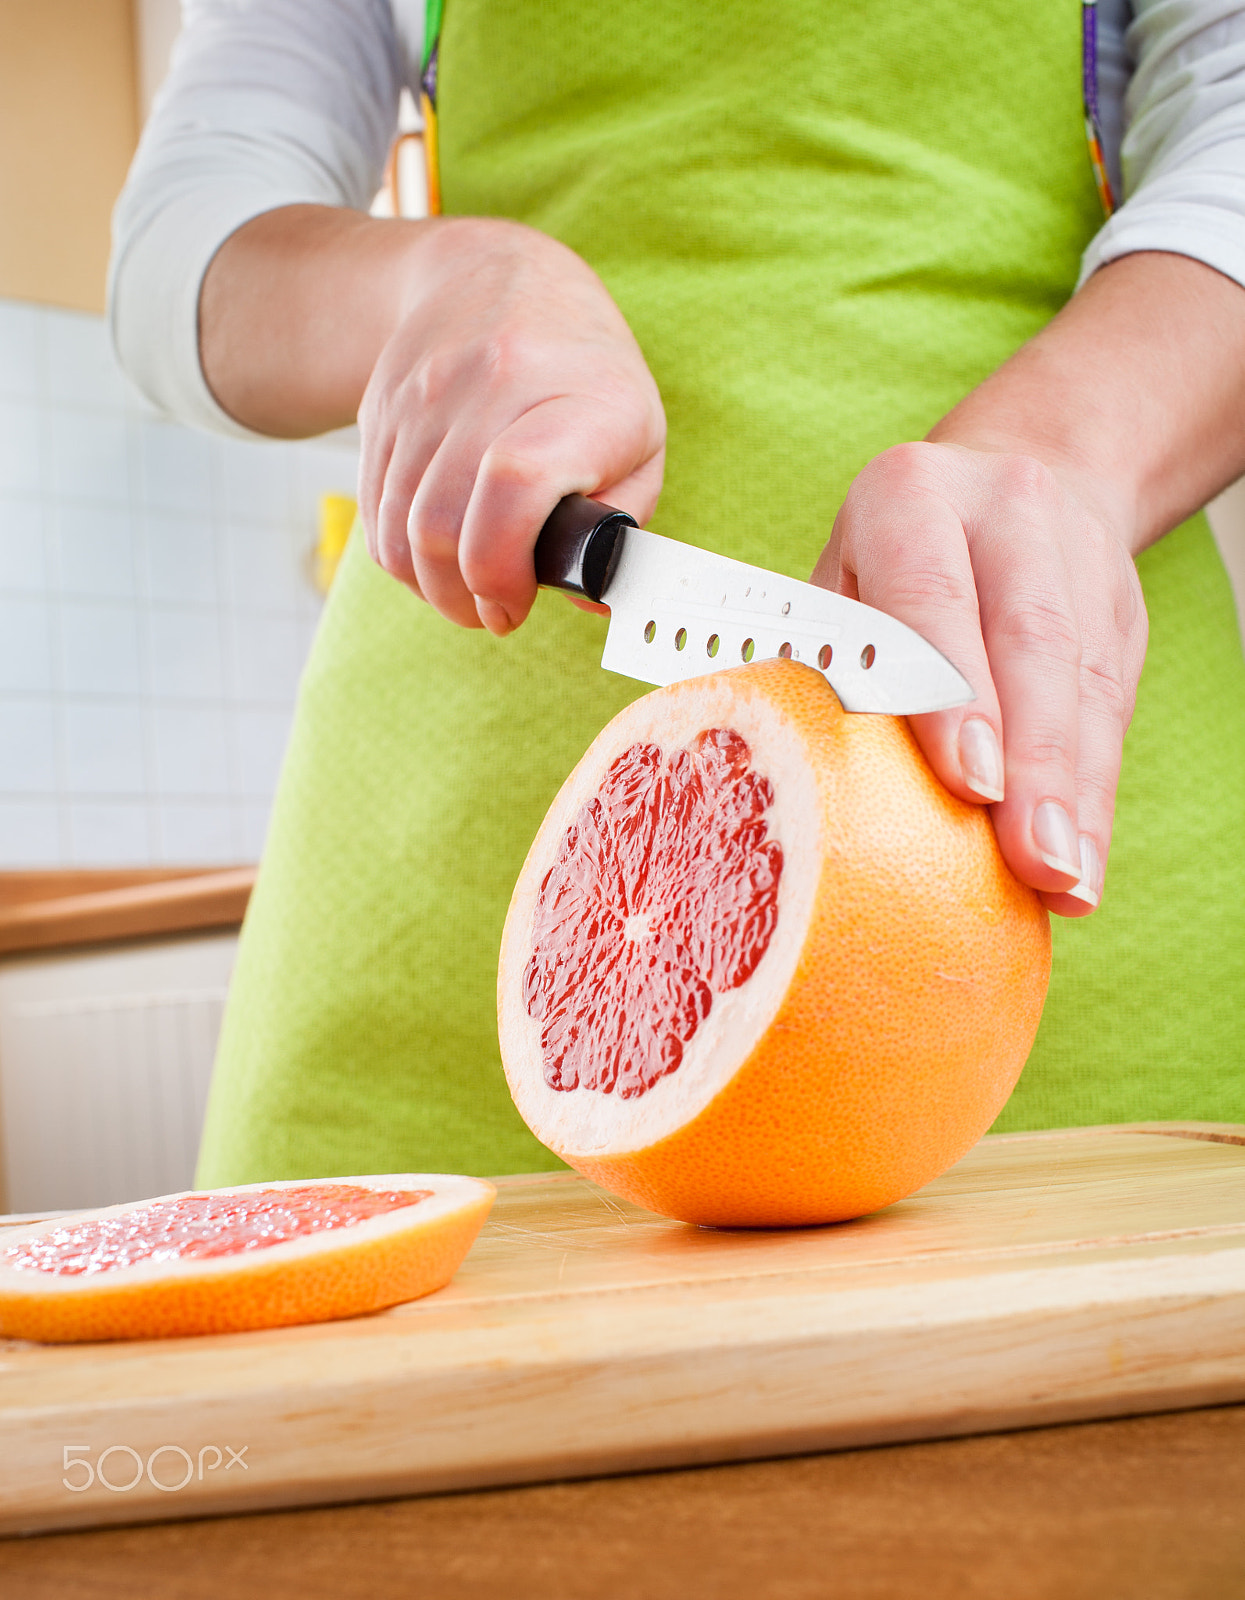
[
  {"x": 450, "y": 1193},
  {"x": 587, "y": 1121}
]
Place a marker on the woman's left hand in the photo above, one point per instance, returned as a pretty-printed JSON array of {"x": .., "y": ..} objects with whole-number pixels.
[
  {"x": 1007, "y": 539},
  {"x": 1033, "y": 594}
]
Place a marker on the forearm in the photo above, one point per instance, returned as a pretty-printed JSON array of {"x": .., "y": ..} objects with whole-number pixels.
[
  {"x": 1134, "y": 394},
  {"x": 295, "y": 310},
  {"x": 489, "y": 369}
]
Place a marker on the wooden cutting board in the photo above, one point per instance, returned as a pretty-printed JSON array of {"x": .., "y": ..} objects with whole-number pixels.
[{"x": 1083, "y": 1273}]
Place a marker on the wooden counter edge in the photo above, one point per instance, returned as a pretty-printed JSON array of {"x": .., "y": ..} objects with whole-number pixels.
[{"x": 177, "y": 905}]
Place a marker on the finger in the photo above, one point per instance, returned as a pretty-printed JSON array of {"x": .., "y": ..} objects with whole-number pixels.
[
  {"x": 639, "y": 491},
  {"x": 375, "y": 451},
  {"x": 413, "y": 450},
  {"x": 830, "y": 571},
  {"x": 557, "y": 448},
  {"x": 1032, "y": 633},
  {"x": 1098, "y": 766},
  {"x": 636, "y": 494},
  {"x": 435, "y": 521},
  {"x": 903, "y": 548},
  {"x": 1110, "y": 667}
]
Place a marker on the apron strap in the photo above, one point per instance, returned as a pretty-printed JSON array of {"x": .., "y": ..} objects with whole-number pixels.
[{"x": 428, "y": 102}]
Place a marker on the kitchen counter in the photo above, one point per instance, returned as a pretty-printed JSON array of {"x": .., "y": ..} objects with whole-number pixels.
[
  {"x": 1146, "y": 1508},
  {"x": 55, "y": 910}
]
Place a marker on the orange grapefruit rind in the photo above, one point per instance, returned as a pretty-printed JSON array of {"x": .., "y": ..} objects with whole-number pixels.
[
  {"x": 317, "y": 1277},
  {"x": 887, "y": 1021}
]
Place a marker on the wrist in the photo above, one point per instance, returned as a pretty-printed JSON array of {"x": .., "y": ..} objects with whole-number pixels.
[
  {"x": 1109, "y": 494},
  {"x": 293, "y": 310},
  {"x": 422, "y": 256},
  {"x": 1133, "y": 395},
  {"x": 503, "y": 259}
]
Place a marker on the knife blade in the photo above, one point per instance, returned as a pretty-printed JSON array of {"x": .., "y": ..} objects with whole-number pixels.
[{"x": 677, "y": 612}]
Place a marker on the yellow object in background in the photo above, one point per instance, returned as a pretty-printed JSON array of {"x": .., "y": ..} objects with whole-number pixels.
[{"x": 337, "y": 514}]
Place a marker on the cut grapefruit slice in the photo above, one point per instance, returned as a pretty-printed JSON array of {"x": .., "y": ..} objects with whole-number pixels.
[
  {"x": 264, "y": 1255},
  {"x": 760, "y": 968}
]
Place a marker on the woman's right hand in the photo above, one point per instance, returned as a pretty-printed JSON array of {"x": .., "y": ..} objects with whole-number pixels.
[{"x": 510, "y": 380}]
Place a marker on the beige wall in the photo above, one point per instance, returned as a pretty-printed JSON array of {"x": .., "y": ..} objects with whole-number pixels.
[{"x": 68, "y": 126}]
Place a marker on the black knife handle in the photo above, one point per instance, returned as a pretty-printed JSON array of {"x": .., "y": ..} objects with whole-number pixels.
[{"x": 579, "y": 544}]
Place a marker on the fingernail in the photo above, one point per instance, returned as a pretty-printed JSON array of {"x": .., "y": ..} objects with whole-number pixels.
[
  {"x": 981, "y": 760},
  {"x": 1055, "y": 838},
  {"x": 1089, "y": 888},
  {"x": 494, "y": 617}
]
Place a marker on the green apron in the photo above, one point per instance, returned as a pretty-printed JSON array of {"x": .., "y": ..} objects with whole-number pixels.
[{"x": 825, "y": 223}]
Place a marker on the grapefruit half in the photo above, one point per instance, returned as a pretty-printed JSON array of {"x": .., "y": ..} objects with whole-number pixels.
[
  {"x": 264, "y": 1255},
  {"x": 760, "y": 968}
]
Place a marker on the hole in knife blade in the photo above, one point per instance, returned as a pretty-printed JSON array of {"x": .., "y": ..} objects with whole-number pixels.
[
  {"x": 825, "y": 656},
  {"x": 786, "y": 607},
  {"x": 748, "y": 649},
  {"x": 680, "y": 639},
  {"x": 650, "y": 632},
  {"x": 784, "y": 650},
  {"x": 713, "y": 645},
  {"x": 868, "y": 656}
]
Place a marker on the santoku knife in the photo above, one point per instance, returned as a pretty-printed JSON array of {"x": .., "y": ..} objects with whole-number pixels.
[{"x": 677, "y": 612}]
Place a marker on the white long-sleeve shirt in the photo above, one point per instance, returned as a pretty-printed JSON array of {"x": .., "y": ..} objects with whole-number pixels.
[{"x": 280, "y": 102}]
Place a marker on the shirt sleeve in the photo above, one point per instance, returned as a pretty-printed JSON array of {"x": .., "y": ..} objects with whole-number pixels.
[
  {"x": 268, "y": 103},
  {"x": 1183, "y": 151}
]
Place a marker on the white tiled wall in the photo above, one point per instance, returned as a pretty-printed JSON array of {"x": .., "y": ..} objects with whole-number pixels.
[{"x": 155, "y": 610}]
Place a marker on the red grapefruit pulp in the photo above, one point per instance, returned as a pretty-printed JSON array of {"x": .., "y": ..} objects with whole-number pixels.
[
  {"x": 200, "y": 1227},
  {"x": 663, "y": 895}
]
